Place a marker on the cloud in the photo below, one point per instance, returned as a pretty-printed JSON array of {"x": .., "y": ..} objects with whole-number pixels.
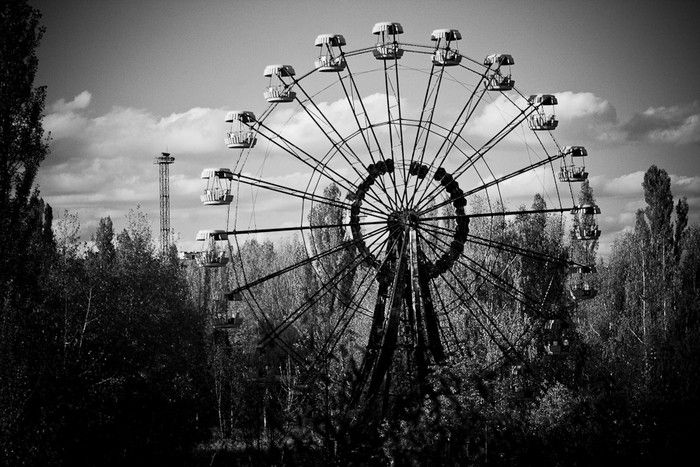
[
  {"x": 573, "y": 105},
  {"x": 521, "y": 188},
  {"x": 585, "y": 116},
  {"x": 300, "y": 128},
  {"x": 678, "y": 124},
  {"x": 624, "y": 185},
  {"x": 685, "y": 185},
  {"x": 102, "y": 165},
  {"x": 630, "y": 185},
  {"x": 81, "y": 101},
  {"x": 577, "y": 112},
  {"x": 125, "y": 130},
  {"x": 63, "y": 124}
]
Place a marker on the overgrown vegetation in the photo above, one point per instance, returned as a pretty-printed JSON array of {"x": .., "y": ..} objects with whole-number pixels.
[{"x": 108, "y": 355}]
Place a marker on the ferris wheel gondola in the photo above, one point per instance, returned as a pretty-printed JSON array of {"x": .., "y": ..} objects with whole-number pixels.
[
  {"x": 217, "y": 187},
  {"x": 330, "y": 58},
  {"x": 277, "y": 90},
  {"x": 446, "y": 50},
  {"x": 499, "y": 72},
  {"x": 585, "y": 231},
  {"x": 572, "y": 170},
  {"x": 239, "y": 136},
  {"x": 544, "y": 118},
  {"x": 557, "y": 337},
  {"x": 213, "y": 252},
  {"x": 387, "y": 47}
]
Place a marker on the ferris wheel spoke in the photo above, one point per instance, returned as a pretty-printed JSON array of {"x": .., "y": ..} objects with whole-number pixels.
[
  {"x": 501, "y": 213},
  {"x": 360, "y": 128},
  {"x": 458, "y": 299},
  {"x": 532, "y": 254},
  {"x": 390, "y": 123},
  {"x": 446, "y": 314},
  {"x": 290, "y": 148},
  {"x": 484, "y": 186},
  {"x": 522, "y": 115},
  {"x": 476, "y": 289},
  {"x": 551, "y": 165},
  {"x": 333, "y": 342},
  {"x": 300, "y": 227},
  {"x": 427, "y": 132},
  {"x": 230, "y": 295},
  {"x": 364, "y": 110},
  {"x": 444, "y": 247},
  {"x": 553, "y": 158},
  {"x": 489, "y": 332},
  {"x": 398, "y": 106},
  {"x": 317, "y": 295},
  {"x": 481, "y": 73},
  {"x": 320, "y": 167},
  {"x": 336, "y": 145},
  {"x": 480, "y": 153},
  {"x": 335, "y": 334},
  {"x": 503, "y": 346},
  {"x": 305, "y": 195},
  {"x": 289, "y": 349},
  {"x": 419, "y": 127},
  {"x": 452, "y": 137},
  {"x": 265, "y": 318},
  {"x": 496, "y": 281},
  {"x": 361, "y": 131}
]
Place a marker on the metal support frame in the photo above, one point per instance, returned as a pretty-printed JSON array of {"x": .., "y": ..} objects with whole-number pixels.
[{"x": 163, "y": 161}]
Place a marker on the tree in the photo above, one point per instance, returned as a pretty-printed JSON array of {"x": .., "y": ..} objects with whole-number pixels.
[
  {"x": 660, "y": 240},
  {"x": 22, "y": 143},
  {"x": 657, "y": 195},
  {"x": 134, "y": 384},
  {"x": 26, "y": 239},
  {"x": 104, "y": 240}
]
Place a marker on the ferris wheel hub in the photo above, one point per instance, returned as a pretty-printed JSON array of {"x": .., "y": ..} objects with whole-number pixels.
[{"x": 406, "y": 218}]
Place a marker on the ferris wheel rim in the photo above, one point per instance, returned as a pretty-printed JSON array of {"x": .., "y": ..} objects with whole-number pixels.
[{"x": 401, "y": 120}]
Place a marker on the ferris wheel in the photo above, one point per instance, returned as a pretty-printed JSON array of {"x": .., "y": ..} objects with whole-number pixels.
[{"x": 427, "y": 192}]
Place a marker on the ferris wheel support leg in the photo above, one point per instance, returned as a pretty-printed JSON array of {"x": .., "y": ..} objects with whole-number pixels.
[
  {"x": 374, "y": 341},
  {"x": 378, "y": 317},
  {"x": 382, "y": 362},
  {"x": 417, "y": 310},
  {"x": 432, "y": 328}
]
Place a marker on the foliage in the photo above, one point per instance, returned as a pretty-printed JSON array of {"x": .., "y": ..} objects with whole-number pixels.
[{"x": 26, "y": 239}]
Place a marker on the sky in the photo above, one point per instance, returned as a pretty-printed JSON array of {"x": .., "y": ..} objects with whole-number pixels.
[{"x": 127, "y": 80}]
